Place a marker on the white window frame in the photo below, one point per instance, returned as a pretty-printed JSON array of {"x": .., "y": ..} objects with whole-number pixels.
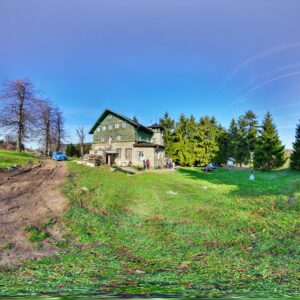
[
  {"x": 119, "y": 137},
  {"x": 102, "y": 139},
  {"x": 117, "y": 125},
  {"x": 103, "y": 127},
  {"x": 110, "y": 127}
]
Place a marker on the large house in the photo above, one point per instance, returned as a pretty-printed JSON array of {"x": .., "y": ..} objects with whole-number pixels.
[{"x": 122, "y": 141}]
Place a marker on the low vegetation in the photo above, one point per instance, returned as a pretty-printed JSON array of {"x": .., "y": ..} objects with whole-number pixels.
[
  {"x": 9, "y": 158},
  {"x": 186, "y": 232}
]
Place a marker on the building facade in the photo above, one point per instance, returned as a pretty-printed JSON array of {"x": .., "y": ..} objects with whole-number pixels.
[{"x": 122, "y": 141}]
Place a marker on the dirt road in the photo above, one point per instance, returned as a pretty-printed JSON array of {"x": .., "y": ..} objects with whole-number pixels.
[{"x": 26, "y": 199}]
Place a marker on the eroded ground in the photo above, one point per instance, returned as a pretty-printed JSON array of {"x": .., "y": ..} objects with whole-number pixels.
[{"x": 30, "y": 199}]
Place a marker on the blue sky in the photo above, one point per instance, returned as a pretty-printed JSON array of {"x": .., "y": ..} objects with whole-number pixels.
[{"x": 145, "y": 57}]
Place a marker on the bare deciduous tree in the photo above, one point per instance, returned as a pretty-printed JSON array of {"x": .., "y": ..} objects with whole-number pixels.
[
  {"x": 45, "y": 117},
  {"x": 81, "y": 136},
  {"x": 58, "y": 131},
  {"x": 18, "y": 111}
]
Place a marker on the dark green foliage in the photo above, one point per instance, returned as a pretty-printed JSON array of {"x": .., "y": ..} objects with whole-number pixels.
[
  {"x": 72, "y": 151},
  {"x": 86, "y": 148},
  {"x": 184, "y": 146},
  {"x": 232, "y": 139},
  {"x": 269, "y": 153},
  {"x": 223, "y": 142},
  {"x": 295, "y": 156},
  {"x": 191, "y": 143},
  {"x": 168, "y": 125},
  {"x": 207, "y": 140},
  {"x": 246, "y": 137},
  {"x": 135, "y": 119}
]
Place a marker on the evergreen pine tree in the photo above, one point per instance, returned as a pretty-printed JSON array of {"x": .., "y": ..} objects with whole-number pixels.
[
  {"x": 71, "y": 150},
  {"x": 135, "y": 119},
  {"x": 242, "y": 152},
  {"x": 232, "y": 139},
  {"x": 295, "y": 156},
  {"x": 269, "y": 152},
  {"x": 168, "y": 125},
  {"x": 223, "y": 142},
  {"x": 206, "y": 140},
  {"x": 183, "y": 148},
  {"x": 246, "y": 137},
  {"x": 251, "y": 129}
]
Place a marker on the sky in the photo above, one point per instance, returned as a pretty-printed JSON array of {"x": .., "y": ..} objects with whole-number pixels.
[{"x": 145, "y": 57}]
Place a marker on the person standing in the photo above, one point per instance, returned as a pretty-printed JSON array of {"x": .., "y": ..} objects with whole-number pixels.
[{"x": 148, "y": 164}]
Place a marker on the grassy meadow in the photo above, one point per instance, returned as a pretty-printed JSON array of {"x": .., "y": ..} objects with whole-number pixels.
[
  {"x": 9, "y": 158},
  {"x": 185, "y": 232}
]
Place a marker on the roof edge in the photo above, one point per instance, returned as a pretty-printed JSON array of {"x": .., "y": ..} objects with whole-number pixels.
[{"x": 105, "y": 111}]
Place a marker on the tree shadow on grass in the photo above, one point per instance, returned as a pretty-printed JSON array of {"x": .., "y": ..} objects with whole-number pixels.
[{"x": 281, "y": 182}]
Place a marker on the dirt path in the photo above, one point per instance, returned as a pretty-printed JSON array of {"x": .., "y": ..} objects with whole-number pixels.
[{"x": 31, "y": 198}]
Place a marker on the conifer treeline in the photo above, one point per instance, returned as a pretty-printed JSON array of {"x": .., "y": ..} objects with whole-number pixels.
[
  {"x": 190, "y": 142},
  {"x": 295, "y": 157}
]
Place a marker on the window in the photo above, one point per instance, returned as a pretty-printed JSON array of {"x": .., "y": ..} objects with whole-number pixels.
[
  {"x": 102, "y": 139},
  {"x": 119, "y": 137},
  {"x": 124, "y": 124},
  {"x": 103, "y": 128},
  {"x": 110, "y": 127},
  {"x": 128, "y": 153},
  {"x": 99, "y": 128},
  {"x": 119, "y": 152},
  {"x": 109, "y": 117},
  {"x": 117, "y": 125},
  {"x": 140, "y": 154}
]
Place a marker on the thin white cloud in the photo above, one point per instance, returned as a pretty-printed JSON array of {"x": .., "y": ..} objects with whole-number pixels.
[
  {"x": 291, "y": 74},
  {"x": 287, "y": 116},
  {"x": 251, "y": 60},
  {"x": 286, "y": 126},
  {"x": 265, "y": 76}
]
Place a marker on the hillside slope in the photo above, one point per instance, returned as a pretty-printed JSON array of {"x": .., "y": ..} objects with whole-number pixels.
[{"x": 185, "y": 232}]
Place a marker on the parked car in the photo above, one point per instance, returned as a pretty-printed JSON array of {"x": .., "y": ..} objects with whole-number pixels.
[
  {"x": 210, "y": 167},
  {"x": 59, "y": 156}
]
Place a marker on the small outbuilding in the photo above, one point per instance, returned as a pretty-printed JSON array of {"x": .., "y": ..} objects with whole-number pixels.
[{"x": 231, "y": 162}]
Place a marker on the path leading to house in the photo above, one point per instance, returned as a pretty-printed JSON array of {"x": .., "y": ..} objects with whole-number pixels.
[{"x": 30, "y": 199}]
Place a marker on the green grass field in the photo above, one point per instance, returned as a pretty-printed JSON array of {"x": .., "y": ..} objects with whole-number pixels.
[
  {"x": 185, "y": 232},
  {"x": 9, "y": 158}
]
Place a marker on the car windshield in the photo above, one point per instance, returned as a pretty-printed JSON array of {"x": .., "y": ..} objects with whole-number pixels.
[{"x": 59, "y": 153}]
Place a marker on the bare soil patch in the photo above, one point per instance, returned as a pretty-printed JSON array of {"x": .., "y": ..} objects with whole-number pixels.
[{"x": 30, "y": 198}]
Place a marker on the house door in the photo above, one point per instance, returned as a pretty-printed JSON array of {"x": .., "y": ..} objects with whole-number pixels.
[{"x": 110, "y": 158}]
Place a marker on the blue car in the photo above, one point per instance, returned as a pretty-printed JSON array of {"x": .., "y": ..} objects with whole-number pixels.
[{"x": 59, "y": 156}]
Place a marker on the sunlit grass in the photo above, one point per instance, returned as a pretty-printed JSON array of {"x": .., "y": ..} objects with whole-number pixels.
[
  {"x": 185, "y": 232},
  {"x": 9, "y": 158}
]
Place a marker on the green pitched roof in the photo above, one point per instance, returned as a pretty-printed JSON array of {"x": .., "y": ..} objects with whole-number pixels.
[{"x": 107, "y": 112}]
